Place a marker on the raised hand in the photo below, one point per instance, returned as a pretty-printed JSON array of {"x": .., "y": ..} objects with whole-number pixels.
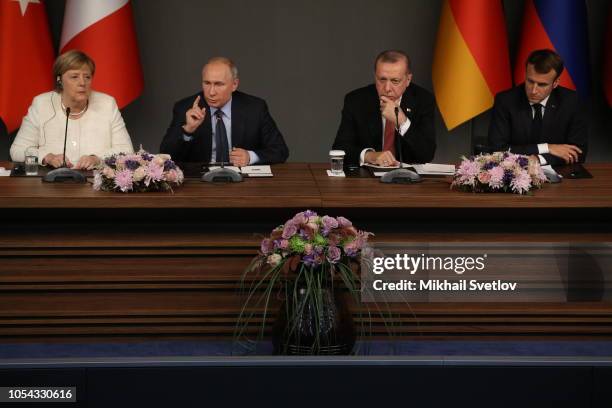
[{"x": 194, "y": 117}]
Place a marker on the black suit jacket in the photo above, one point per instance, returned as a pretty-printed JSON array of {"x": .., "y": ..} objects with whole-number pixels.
[
  {"x": 564, "y": 122},
  {"x": 361, "y": 126},
  {"x": 252, "y": 129}
]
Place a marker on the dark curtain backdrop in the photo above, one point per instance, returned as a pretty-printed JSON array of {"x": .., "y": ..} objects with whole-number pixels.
[{"x": 303, "y": 57}]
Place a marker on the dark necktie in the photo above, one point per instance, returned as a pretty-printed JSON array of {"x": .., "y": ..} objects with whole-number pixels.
[
  {"x": 221, "y": 138},
  {"x": 536, "y": 123}
]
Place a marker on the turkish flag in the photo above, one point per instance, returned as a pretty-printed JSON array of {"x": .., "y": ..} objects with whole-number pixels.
[
  {"x": 26, "y": 57},
  {"x": 104, "y": 30}
]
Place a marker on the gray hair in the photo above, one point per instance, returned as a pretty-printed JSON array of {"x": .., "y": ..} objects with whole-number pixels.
[{"x": 224, "y": 60}]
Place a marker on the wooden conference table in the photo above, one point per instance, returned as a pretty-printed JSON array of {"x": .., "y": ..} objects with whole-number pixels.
[{"x": 77, "y": 263}]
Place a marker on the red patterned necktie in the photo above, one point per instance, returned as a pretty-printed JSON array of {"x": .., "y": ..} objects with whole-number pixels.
[{"x": 389, "y": 143}]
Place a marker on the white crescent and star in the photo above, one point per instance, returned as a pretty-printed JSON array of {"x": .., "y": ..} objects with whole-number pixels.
[{"x": 23, "y": 5}]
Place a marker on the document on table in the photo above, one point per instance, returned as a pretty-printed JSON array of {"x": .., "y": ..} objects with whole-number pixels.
[
  {"x": 257, "y": 171},
  {"x": 4, "y": 172},
  {"x": 428, "y": 169},
  {"x": 434, "y": 169}
]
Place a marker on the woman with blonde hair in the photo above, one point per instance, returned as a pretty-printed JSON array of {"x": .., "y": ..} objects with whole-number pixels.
[{"x": 95, "y": 126}]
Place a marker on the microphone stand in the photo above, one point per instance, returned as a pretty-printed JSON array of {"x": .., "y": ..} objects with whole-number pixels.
[
  {"x": 64, "y": 173},
  {"x": 222, "y": 175},
  {"x": 401, "y": 175}
]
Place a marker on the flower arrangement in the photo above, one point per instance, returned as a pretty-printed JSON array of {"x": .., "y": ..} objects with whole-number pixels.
[
  {"x": 313, "y": 240},
  {"x": 300, "y": 262},
  {"x": 138, "y": 172},
  {"x": 499, "y": 172}
]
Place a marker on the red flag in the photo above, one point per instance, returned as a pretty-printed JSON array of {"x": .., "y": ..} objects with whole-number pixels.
[
  {"x": 26, "y": 57},
  {"x": 104, "y": 30}
]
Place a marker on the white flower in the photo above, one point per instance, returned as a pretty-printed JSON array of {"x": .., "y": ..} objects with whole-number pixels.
[
  {"x": 274, "y": 259},
  {"x": 139, "y": 174}
]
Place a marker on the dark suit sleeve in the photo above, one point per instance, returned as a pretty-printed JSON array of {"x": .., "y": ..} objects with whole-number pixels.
[
  {"x": 273, "y": 147},
  {"x": 419, "y": 142},
  {"x": 346, "y": 137},
  {"x": 577, "y": 134},
  {"x": 500, "y": 130},
  {"x": 173, "y": 143}
]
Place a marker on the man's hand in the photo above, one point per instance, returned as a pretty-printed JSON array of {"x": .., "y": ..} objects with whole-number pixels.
[
  {"x": 383, "y": 159},
  {"x": 569, "y": 153},
  {"x": 87, "y": 162},
  {"x": 55, "y": 160},
  {"x": 387, "y": 110},
  {"x": 194, "y": 117},
  {"x": 239, "y": 157}
]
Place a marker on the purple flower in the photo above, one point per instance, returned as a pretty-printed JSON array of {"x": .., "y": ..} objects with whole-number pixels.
[
  {"x": 123, "y": 180},
  {"x": 289, "y": 230},
  {"x": 110, "y": 161},
  {"x": 489, "y": 165},
  {"x": 267, "y": 246},
  {"x": 523, "y": 161},
  {"x": 351, "y": 248},
  {"x": 343, "y": 222},
  {"x": 299, "y": 219},
  {"x": 309, "y": 213},
  {"x": 333, "y": 254},
  {"x": 508, "y": 176},
  {"x": 132, "y": 164},
  {"x": 329, "y": 223},
  {"x": 281, "y": 244},
  {"x": 147, "y": 157},
  {"x": 169, "y": 165},
  {"x": 310, "y": 259}
]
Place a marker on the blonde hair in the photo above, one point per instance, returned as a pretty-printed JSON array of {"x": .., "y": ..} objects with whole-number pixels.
[{"x": 73, "y": 59}]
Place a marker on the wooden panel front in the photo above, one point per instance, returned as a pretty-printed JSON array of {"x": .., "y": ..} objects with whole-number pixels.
[{"x": 76, "y": 264}]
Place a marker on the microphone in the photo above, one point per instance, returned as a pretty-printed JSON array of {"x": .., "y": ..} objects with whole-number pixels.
[
  {"x": 64, "y": 173},
  {"x": 401, "y": 175},
  {"x": 398, "y": 142},
  {"x": 66, "y": 136}
]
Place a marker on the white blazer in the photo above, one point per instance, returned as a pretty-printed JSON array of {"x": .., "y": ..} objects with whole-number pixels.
[{"x": 100, "y": 131}]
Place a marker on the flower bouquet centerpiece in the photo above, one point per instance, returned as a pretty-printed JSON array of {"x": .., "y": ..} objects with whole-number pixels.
[
  {"x": 138, "y": 172},
  {"x": 306, "y": 263},
  {"x": 499, "y": 172}
]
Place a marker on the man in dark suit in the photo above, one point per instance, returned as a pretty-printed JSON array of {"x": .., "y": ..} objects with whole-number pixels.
[
  {"x": 540, "y": 117},
  {"x": 221, "y": 124},
  {"x": 366, "y": 131}
]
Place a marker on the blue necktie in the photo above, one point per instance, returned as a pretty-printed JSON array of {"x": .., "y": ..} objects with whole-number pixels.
[{"x": 221, "y": 138}]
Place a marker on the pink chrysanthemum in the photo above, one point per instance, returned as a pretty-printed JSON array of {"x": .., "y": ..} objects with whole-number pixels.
[
  {"x": 468, "y": 170},
  {"x": 521, "y": 182},
  {"x": 497, "y": 177},
  {"x": 124, "y": 180},
  {"x": 154, "y": 173}
]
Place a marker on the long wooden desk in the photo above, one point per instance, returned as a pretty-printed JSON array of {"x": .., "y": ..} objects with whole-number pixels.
[{"x": 76, "y": 263}]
